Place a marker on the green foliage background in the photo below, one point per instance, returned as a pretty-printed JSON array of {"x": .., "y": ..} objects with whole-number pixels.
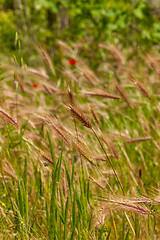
[{"x": 130, "y": 22}]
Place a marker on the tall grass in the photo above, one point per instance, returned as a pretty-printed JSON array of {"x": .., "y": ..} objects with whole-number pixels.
[{"x": 79, "y": 156}]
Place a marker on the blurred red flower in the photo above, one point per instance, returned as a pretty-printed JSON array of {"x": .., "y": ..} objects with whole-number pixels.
[
  {"x": 72, "y": 61},
  {"x": 35, "y": 85}
]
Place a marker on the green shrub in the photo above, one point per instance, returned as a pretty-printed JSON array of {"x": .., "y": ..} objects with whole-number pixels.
[{"x": 7, "y": 30}]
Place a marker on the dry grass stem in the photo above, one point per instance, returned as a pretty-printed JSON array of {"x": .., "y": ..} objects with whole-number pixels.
[
  {"x": 46, "y": 156},
  {"x": 63, "y": 137},
  {"x": 124, "y": 96},
  {"x": 113, "y": 49},
  {"x": 97, "y": 183},
  {"x": 70, "y": 75},
  {"x": 10, "y": 119},
  {"x": 51, "y": 89},
  {"x": 110, "y": 162},
  {"x": 91, "y": 74},
  {"x": 10, "y": 173},
  {"x": 61, "y": 134},
  {"x": 153, "y": 61},
  {"x": 88, "y": 79},
  {"x": 19, "y": 80},
  {"x": 139, "y": 139},
  {"x": 101, "y": 94},
  {"x": 65, "y": 47},
  {"x": 81, "y": 149},
  {"x": 38, "y": 73},
  {"x": 129, "y": 204},
  {"x": 77, "y": 114},
  {"x": 134, "y": 208},
  {"x": 71, "y": 98},
  {"x": 141, "y": 200},
  {"x": 142, "y": 89},
  {"x": 104, "y": 159},
  {"x": 47, "y": 59},
  {"x": 111, "y": 146},
  {"x": 94, "y": 114}
]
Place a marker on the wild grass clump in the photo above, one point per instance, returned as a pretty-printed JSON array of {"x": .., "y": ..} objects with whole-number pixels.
[{"x": 79, "y": 155}]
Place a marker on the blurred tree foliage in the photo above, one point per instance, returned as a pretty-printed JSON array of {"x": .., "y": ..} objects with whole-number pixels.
[{"x": 129, "y": 22}]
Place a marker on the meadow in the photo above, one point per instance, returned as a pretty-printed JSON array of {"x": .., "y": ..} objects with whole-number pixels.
[{"x": 79, "y": 138}]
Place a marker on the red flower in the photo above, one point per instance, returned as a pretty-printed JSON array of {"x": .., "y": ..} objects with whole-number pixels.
[
  {"x": 35, "y": 85},
  {"x": 72, "y": 61}
]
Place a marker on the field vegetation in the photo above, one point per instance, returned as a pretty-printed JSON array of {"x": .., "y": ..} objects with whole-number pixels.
[{"x": 79, "y": 120}]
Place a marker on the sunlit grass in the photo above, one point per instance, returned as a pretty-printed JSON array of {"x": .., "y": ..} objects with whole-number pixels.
[{"x": 79, "y": 156}]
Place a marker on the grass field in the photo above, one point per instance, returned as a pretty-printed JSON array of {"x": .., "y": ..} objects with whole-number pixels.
[{"x": 80, "y": 147}]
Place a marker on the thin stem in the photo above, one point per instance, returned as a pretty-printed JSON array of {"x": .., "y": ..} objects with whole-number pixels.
[
  {"x": 78, "y": 141},
  {"x": 108, "y": 160}
]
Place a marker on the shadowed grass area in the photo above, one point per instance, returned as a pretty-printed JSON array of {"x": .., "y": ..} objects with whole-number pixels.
[{"x": 79, "y": 155}]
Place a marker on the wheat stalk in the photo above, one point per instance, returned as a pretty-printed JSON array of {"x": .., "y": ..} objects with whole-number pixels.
[{"x": 95, "y": 116}]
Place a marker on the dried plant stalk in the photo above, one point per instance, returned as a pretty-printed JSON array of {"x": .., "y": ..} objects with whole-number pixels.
[
  {"x": 110, "y": 162},
  {"x": 70, "y": 75},
  {"x": 117, "y": 54},
  {"x": 64, "y": 46},
  {"x": 83, "y": 152},
  {"x": 134, "y": 208},
  {"x": 95, "y": 116},
  {"x": 124, "y": 96},
  {"x": 113, "y": 49},
  {"x": 142, "y": 89},
  {"x": 139, "y": 139},
  {"x": 56, "y": 129},
  {"x": 97, "y": 183},
  {"x": 90, "y": 74},
  {"x": 48, "y": 90},
  {"x": 47, "y": 59},
  {"x": 10, "y": 173},
  {"x": 19, "y": 80},
  {"x": 77, "y": 114},
  {"x": 130, "y": 204},
  {"x": 153, "y": 62},
  {"x": 102, "y": 94},
  {"x": 51, "y": 89},
  {"x": 99, "y": 158},
  {"x": 71, "y": 97},
  {"x": 141, "y": 200},
  {"x": 37, "y": 73},
  {"x": 10, "y": 119},
  {"x": 88, "y": 79},
  {"x": 114, "y": 150},
  {"x": 39, "y": 151},
  {"x": 60, "y": 134},
  {"x": 44, "y": 155}
]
